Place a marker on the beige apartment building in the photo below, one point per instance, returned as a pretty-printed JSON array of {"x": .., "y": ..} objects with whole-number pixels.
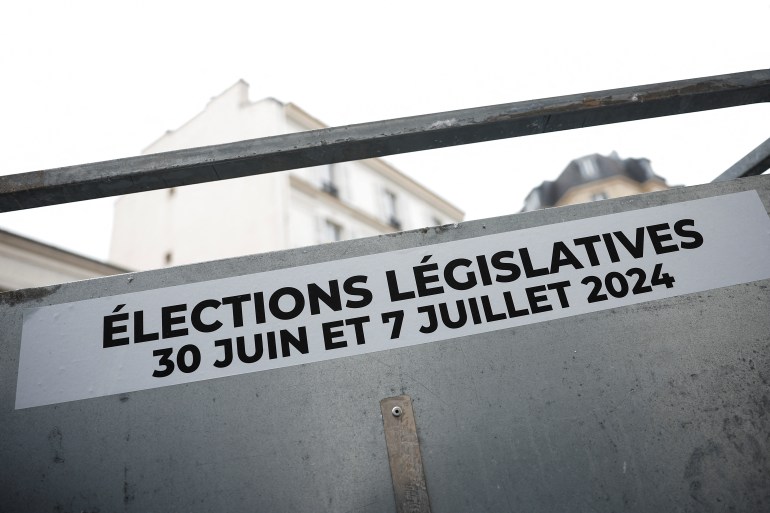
[{"x": 593, "y": 178}]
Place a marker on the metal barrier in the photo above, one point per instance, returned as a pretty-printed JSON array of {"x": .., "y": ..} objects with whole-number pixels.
[
  {"x": 600, "y": 357},
  {"x": 354, "y": 142}
]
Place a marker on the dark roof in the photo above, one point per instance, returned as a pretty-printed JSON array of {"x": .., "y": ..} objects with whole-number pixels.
[{"x": 590, "y": 169}]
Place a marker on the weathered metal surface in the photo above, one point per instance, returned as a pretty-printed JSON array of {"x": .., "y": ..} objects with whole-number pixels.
[
  {"x": 354, "y": 142},
  {"x": 661, "y": 406},
  {"x": 756, "y": 162},
  {"x": 409, "y": 488}
]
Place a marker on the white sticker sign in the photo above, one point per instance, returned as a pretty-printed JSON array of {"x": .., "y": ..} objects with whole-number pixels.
[{"x": 347, "y": 307}]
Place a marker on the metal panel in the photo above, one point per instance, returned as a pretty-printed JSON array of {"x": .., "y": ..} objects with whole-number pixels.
[
  {"x": 354, "y": 142},
  {"x": 661, "y": 406}
]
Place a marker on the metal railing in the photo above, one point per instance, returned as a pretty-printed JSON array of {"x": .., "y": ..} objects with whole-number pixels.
[{"x": 379, "y": 138}]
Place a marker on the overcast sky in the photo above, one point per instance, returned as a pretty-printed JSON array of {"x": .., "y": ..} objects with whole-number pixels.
[{"x": 85, "y": 81}]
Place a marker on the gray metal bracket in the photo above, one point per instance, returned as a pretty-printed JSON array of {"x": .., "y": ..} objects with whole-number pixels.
[{"x": 409, "y": 488}]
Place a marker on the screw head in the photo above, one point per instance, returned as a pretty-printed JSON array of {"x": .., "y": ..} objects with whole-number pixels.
[{"x": 396, "y": 411}]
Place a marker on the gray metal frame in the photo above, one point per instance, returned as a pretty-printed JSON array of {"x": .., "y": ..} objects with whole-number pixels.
[
  {"x": 660, "y": 406},
  {"x": 354, "y": 142},
  {"x": 756, "y": 162}
]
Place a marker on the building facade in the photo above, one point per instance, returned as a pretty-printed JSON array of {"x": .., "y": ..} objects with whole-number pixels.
[
  {"x": 593, "y": 178},
  {"x": 268, "y": 212},
  {"x": 26, "y": 263}
]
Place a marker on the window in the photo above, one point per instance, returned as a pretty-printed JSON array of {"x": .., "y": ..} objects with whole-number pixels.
[
  {"x": 649, "y": 173},
  {"x": 588, "y": 169},
  {"x": 598, "y": 196},
  {"x": 328, "y": 180},
  {"x": 332, "y": 232},
  {"x": 533, "y": 201},
  {"x": 391, "y": 211}
]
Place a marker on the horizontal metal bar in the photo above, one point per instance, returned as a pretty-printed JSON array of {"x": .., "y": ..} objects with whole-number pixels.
[
  {"x": 375, "y": 139},
  {"x": 756, "y": 162}
]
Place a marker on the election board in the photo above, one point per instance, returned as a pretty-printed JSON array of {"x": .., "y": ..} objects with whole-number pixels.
[{"x": 564, "y": 347}]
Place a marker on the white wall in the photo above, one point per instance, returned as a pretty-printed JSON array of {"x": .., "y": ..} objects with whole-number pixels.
[
  {"x": 228, "y": 117},
  {"x": 214, "y": 220},
  {"x": 260, "y": 213},
  {"x": 200, "y": 222}
]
